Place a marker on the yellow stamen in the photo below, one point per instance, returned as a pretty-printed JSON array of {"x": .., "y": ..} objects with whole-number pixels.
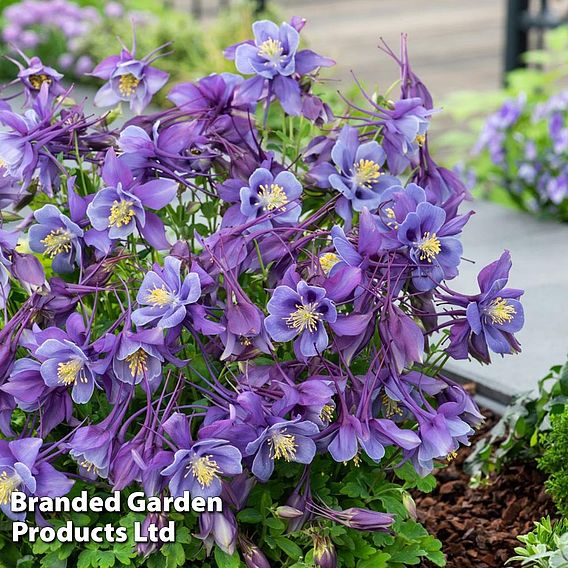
[
  {"x": 245, "y": 341},
  {"x": 391, "y": 406},
  {"x": 328, "y": 261},
  {"x": 283, "y": 446},
  {"x": 429, "y": 246},
  {"x": 8, "y": 484},
  {"x": 270, "y": 48},
  {"x": 367, "y": 172},
  {"x": 69, "y": 372},
  {"x": 205, "y": 470},
  {"x": 58, "y": 241},
  {"x": 272, "y": 197},
  {"x": 90, "y": 467},
  {"x": 305, "y": 317},
  {"x": 127, "y": 84},
  {"x": 356, "y": 460},
  {"x": 138, "y": 363},
  {"x": 159, "y": 297},
  {"x": 420, "y": 139},
  {"x": 36, "y": 81},
  {"x": 326, "y": 413},
  {"x": 121, "y": 213},
  {"x": 500, "y": 311},
  {"x": 451, "y": 456}
]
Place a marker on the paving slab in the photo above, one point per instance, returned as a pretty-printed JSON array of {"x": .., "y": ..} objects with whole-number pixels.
[{"x": 539, "y": 250}]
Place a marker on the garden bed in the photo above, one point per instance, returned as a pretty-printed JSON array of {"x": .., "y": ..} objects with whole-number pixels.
[{"x": 479, "y": 526}]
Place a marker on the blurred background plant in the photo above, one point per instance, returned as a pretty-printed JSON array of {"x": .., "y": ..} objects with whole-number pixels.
[
  {"x": 517, "y": 138},
  {"x": 73, "y": 36}
]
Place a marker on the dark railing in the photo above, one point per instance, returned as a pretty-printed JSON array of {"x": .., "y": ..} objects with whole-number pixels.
[{"x": 524, "y": 16}]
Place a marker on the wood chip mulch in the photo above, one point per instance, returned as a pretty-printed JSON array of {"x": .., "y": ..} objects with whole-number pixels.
[{"x": 478, "y": 527}]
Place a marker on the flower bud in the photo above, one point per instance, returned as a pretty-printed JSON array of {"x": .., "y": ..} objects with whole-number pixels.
[
  {"x": 27, "y": 268},
  {"x": 324, "y": 552},
  {"x": 287, "y": 512},
  {"x": 252, "y": 555},
  {"x": 409, "y": 505},
  {"x": 147, "y": 548}
]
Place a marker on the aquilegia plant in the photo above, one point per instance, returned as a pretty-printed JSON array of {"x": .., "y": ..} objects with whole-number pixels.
[{"x": 236, "y": 293}]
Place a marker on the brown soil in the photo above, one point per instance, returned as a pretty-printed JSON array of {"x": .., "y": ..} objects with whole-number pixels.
[{"x": 478, "y": 527}]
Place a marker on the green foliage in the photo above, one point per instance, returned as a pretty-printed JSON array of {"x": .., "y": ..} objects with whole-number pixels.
[
  {"x": 546, "y": 546},
  {"x": 339, "y": 486},
  {"x": 518, "y": 434},
  {"x": 554, "y": 461}
]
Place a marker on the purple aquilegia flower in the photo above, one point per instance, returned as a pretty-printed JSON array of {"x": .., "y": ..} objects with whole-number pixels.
[
  {"x": 129, "y": 79},
  {"x": 119, "y": 207},
  {"x": 436, "y": 256},
  {"x": 65, "y": 364},
  {"x": 275, "y": 196},
  {"x": 56, "y": 236},
  {"x": 289, "y": 440},
  {"x": 360, "y": 179},
  {"x": 136, "y": 360},
  {"x": 300, "y": 312},
  {"x": 165, "y": 296},
  {"x": 21, "y": 469},
  {"x": 492, "y": 316},
  {"x": 37, "y": 74},
  {"x": 274, "y": 60},
  {"x": 198, "y": 469}
]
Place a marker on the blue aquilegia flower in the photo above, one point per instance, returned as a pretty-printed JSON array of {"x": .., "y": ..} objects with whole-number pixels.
[
  {"x": 135, "y": 360},
  {"x": 22, "y": 469},
  {"x": 491, "y": 317},
  {"x": 289, "y": 440},
  {"x": 65, "y": 364},
  {"x": 129, "y": 79},
  {"x": 267, "y": 194},
  {"x": 274, "y": 60},
  {"x": 360, "y": 180},
  {"x": 119, "y": 208},
  {"x": 300, "y": 313},
  {"x": 198, "y": 469},
  {"x": 164, "y": 295},
  {"x": 436, "y": 256},
  {"x": 56, "y": 236}
]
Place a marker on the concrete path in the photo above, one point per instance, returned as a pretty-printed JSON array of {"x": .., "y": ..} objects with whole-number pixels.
[{"x": 539, "y": 250}]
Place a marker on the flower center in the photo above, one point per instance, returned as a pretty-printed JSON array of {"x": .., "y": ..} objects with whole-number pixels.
[
  {"x": 270, "y": 49},
  {"x": 121, "y": 213},
  {"x": 283, "y": 446},
  {"x": 272, "y": 197},
  {"x": 89, "y": 466},
  {"x": 326, "y": 413},
  {"x": 391, "y": 407},
  {"x": 305, "y": 317},
  {"x": 500, "y": 311},
  {"x": 367, "y": 172},
  {"x": 36, "y": 81},
  {"x": 69, "y": 372},
  {"x": 205, "y": 470},
  {"x": 159, "y": 297},
  {"x": 420, "y": 139},
  {"x": 8, "y": 484},
  {"x": 429, "y": 246},
  {"x": 56, "y": 242},
  {"x": 127, "y": 84},
  {"x": 328, "y": 261},
  {"x": 138, "y": 362}
]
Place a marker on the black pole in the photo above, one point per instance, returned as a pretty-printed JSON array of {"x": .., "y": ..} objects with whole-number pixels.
[
  {"x": 517, "y": 36},
  {"x": 260, "y": 6}
]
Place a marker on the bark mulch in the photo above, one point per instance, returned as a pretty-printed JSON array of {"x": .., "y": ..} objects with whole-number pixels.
[{"x": 478, "y": 527}]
